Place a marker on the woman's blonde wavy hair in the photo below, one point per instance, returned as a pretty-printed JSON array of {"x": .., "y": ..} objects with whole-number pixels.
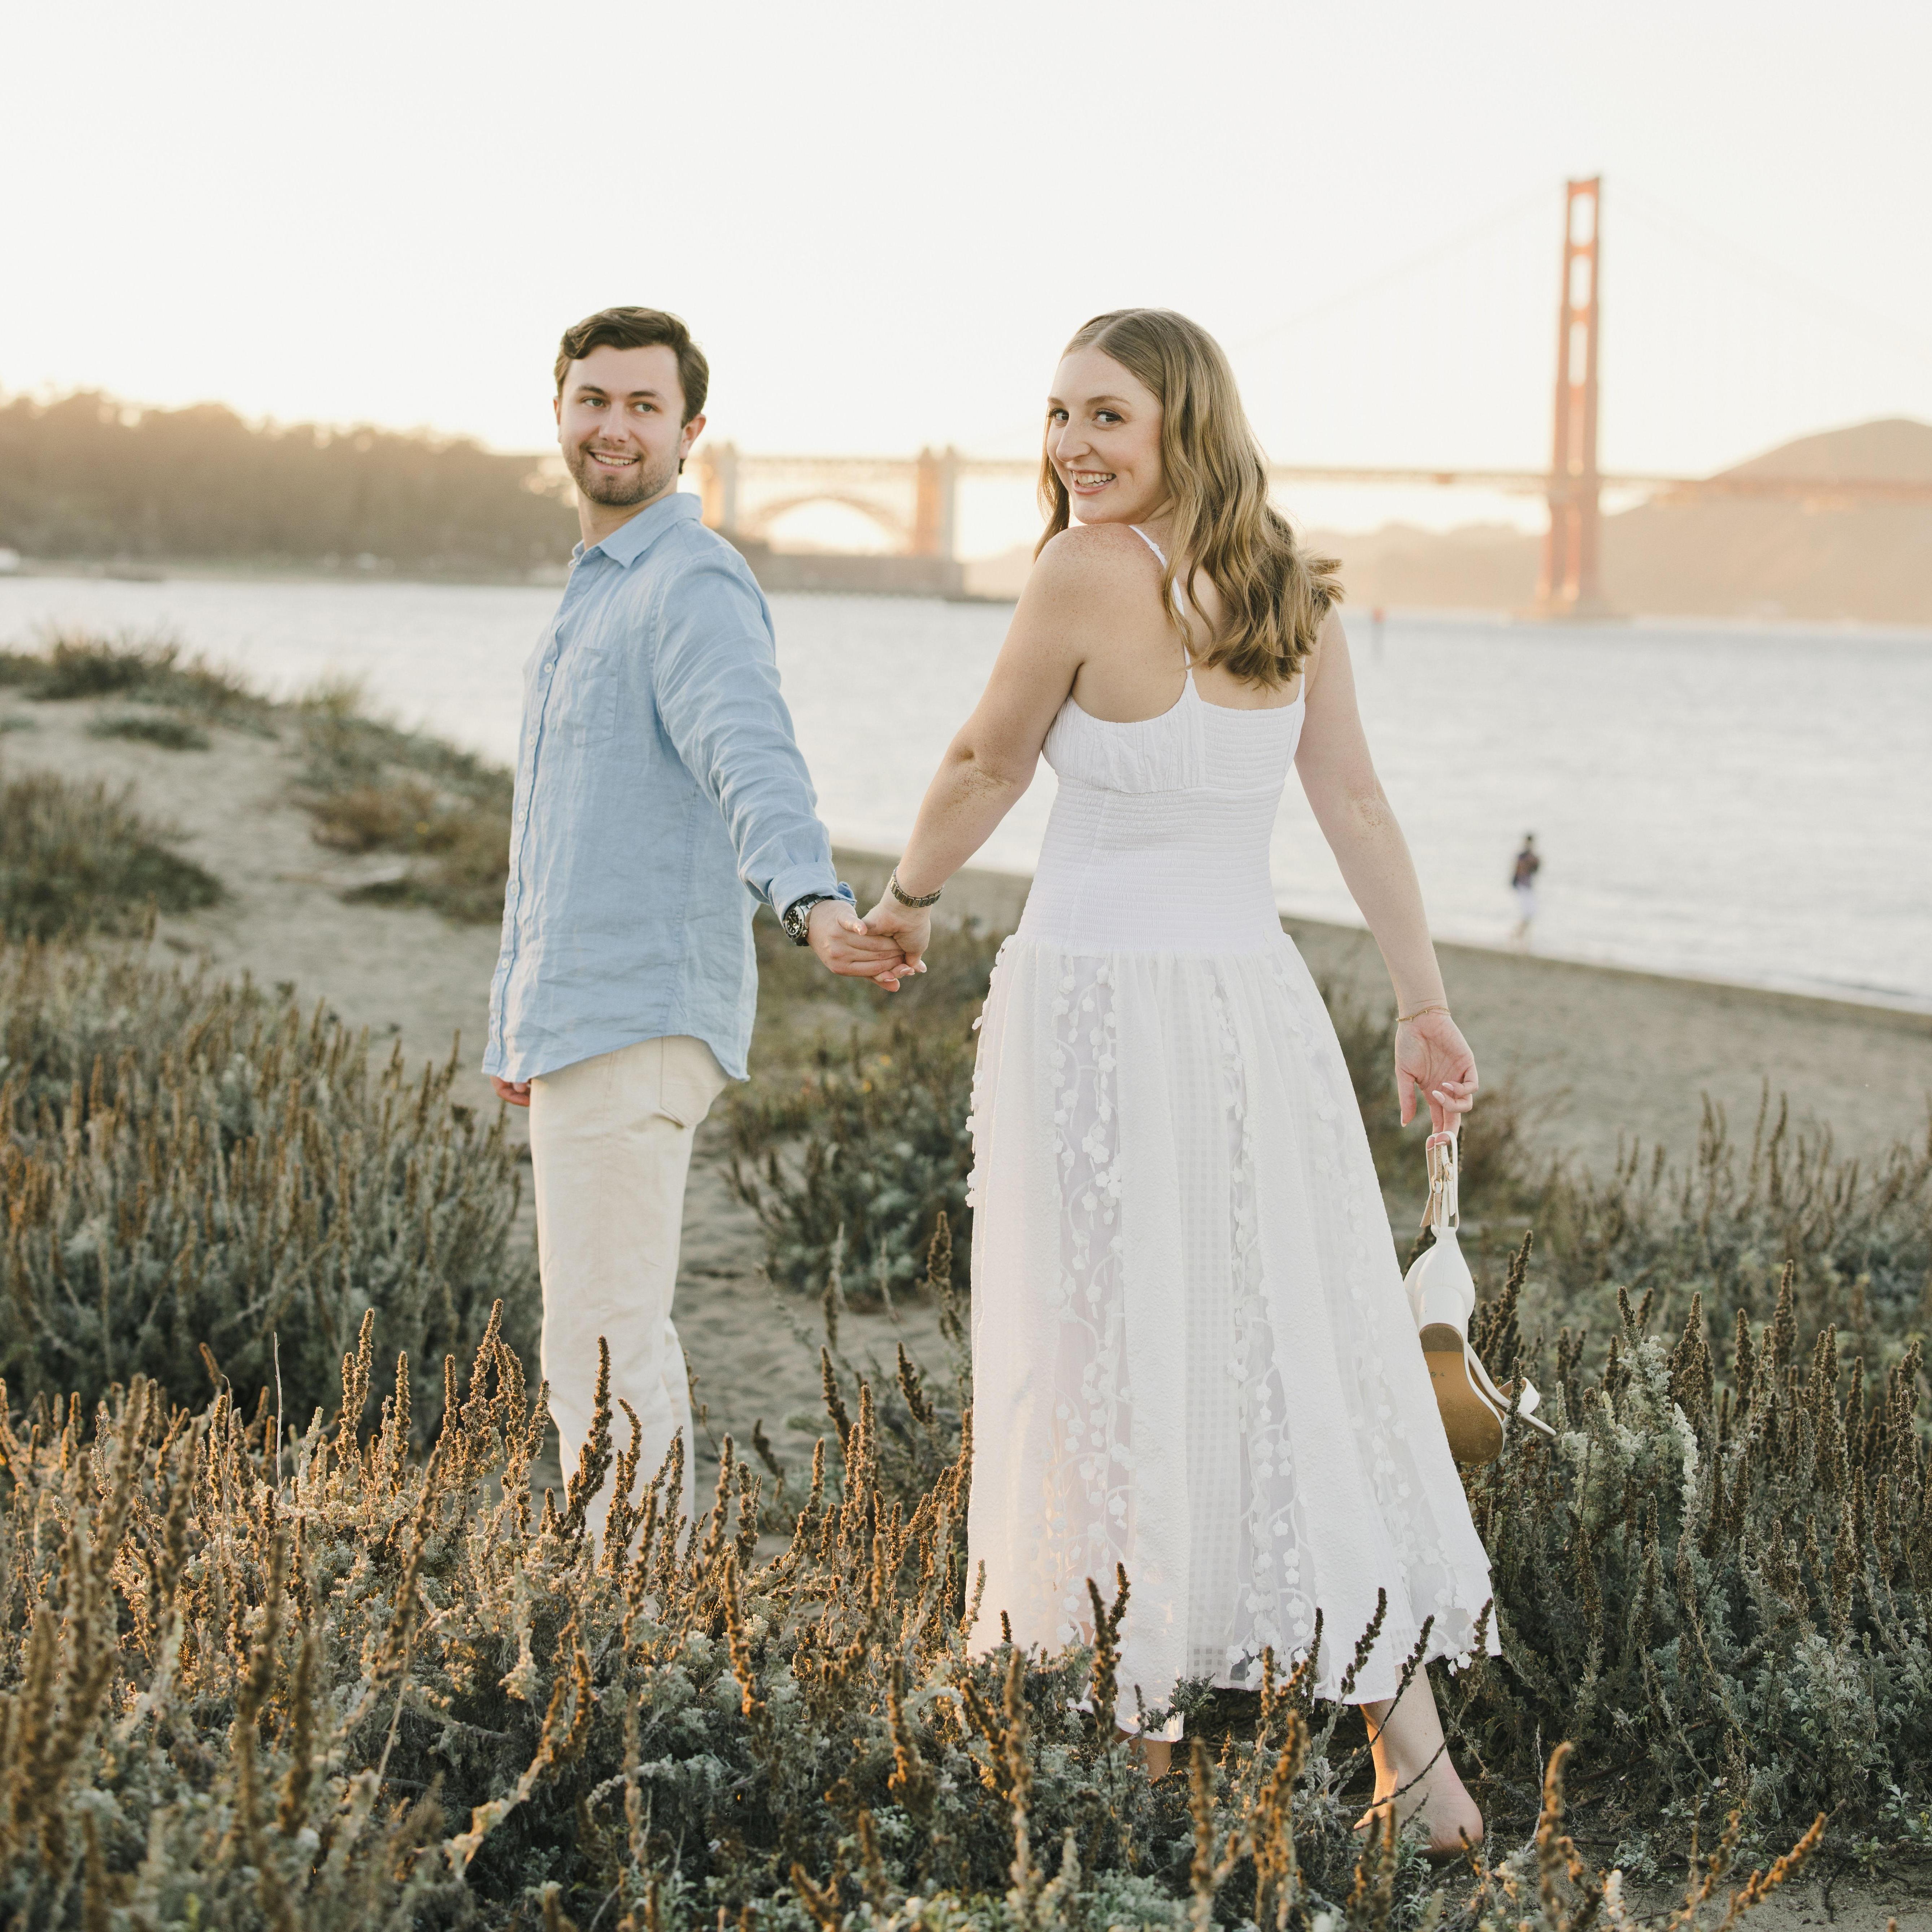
[{"x": 1275, "y": 595}]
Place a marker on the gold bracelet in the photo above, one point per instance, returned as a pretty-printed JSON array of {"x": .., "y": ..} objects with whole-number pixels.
[{"x": 1432, "y": 1006}]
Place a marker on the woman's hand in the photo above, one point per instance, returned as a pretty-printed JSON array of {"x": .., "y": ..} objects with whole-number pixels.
[
  {"x": 1433, "y": 1059},
  {"x": 845, "y": 946},
  {"x": 909, "y": 928}
]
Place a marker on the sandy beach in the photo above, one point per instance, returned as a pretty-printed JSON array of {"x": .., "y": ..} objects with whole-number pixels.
[{"x": 1602, "y": 1055}]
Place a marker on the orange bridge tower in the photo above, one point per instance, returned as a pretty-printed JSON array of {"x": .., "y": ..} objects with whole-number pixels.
[{"x": 1570, "y": 585}]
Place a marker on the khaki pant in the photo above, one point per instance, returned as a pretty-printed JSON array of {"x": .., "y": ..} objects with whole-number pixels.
[{"x": 610, "y": 1149}]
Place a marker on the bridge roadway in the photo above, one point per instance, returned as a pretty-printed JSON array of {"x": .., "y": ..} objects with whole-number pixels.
[
  {"x": 847, "y": 471},
  {"x": 913, "y": 499}
]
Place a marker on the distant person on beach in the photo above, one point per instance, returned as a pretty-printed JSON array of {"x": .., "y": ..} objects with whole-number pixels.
[
  {"x": 660, "y": 796},
  {"x": 1522, "y": 883},
  {"x": 1193, "y": 1355}
]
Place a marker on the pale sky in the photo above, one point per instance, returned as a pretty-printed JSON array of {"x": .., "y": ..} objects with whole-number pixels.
[{"x": 884, "y": 220}]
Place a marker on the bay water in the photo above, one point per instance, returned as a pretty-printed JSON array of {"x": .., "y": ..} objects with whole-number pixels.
[{"x": 1738, "y": 801}]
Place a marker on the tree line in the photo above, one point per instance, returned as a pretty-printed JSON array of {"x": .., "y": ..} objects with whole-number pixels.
[{"x": 84, "y": 476}]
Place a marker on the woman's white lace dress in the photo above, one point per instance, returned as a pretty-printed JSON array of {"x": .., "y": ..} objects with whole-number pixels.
[{"x": 1191, "y": 1353}]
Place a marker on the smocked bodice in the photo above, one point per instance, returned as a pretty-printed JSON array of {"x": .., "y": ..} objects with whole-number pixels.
[{"x": 1159, "y": 840}]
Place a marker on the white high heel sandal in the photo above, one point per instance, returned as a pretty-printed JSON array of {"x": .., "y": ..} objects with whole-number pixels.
[{"x": 1442, "y": 1296}]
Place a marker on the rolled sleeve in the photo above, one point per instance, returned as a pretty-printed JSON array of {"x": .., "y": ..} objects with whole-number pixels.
[
  {"x": 717, "y": 690},
  {"x": 793, "y": 887}
]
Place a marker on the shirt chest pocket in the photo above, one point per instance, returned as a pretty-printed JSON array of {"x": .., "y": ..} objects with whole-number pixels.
[{"x": 586, "y": 684}]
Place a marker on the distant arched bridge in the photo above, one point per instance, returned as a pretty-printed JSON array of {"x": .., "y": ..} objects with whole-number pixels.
[
  {"x": 758, "y": 520},
  {"x": 912, "y": 499}
]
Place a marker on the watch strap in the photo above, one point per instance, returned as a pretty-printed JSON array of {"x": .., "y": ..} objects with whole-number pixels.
[{"x": 794, "y": 917}]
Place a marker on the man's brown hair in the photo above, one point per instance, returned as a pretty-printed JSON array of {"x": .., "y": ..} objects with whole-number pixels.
[{"x": 639, "y": 328}]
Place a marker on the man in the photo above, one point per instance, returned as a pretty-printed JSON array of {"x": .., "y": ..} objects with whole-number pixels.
[{"x": 656, "y": 771}]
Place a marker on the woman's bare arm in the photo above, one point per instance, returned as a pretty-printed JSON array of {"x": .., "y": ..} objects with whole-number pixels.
[
  {"x": 1353, "y": 813},
  {"x": 1349, "y": 805},
  {"x": 1076, "y": 596}
]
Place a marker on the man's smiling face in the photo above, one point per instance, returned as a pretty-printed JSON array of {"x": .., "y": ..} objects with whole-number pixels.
[{"x": 619, "y": 423}]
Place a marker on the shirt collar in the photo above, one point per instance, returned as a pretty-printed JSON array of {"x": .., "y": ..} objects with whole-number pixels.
[{"x": 629, "y": 541}]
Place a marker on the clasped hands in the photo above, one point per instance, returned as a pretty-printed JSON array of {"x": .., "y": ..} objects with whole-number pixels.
[{"x": 886, "y": 946}]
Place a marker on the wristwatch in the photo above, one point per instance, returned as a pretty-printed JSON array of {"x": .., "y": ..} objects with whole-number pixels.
[{"x": 795, "y": 916}]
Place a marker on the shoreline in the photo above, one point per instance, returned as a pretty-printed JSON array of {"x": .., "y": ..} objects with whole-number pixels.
[
  {"x": 1897, "y": 1009},
  {"x": 142, "y": 570},
  {"x": 998, "y": 895}
]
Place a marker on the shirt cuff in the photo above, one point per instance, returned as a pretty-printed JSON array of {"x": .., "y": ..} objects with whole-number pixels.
[{"x": 788, "y": 887}]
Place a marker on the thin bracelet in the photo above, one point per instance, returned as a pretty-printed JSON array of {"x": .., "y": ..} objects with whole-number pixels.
[
  {"x": 905, "y": 898},
  {"x": 1433, "y": 1006}
]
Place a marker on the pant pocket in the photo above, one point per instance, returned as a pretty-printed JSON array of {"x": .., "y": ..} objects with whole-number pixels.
[{"x": 689, "y": 1079}]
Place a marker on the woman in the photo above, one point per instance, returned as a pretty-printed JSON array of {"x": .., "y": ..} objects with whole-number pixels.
[{"x": 1191, "y": 1353}]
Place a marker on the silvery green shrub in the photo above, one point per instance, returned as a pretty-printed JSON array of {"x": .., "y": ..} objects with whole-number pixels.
[{"x": 202, "y": 1180}]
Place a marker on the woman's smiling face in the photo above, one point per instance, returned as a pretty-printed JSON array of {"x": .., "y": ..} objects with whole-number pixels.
[{"x": 1103, "y": 439}]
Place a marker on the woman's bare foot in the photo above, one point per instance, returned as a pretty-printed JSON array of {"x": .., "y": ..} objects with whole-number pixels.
[
  {"x": 1414, "y": 1771},
  {"x": 1454, "y": 1819}
]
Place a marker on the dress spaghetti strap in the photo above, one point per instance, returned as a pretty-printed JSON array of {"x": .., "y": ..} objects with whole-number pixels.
[{"x": 1179, "y": 595}]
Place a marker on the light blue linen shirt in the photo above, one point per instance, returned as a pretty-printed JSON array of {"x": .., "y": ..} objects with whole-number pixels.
[{"x": 655, "y": 770}]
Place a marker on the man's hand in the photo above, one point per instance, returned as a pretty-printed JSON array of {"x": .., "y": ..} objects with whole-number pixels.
[
  {"x": 516, "y": 1092},
  {"x": 845, "y": 945}
]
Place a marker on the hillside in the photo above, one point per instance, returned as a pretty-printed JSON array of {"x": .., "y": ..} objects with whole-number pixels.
[
  {"x": 84, "y": 477},
  {"x": 1819, "y": 558}
]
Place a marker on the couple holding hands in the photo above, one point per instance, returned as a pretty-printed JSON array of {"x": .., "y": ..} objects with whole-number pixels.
[{"x": 1192, "y": 1353}]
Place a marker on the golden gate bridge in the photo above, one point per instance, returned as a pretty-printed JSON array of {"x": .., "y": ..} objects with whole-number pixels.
[{"x": 914, "y": 500}]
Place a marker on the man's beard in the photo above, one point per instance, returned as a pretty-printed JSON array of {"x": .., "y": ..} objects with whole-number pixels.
[{"x": 616, "y": 488}]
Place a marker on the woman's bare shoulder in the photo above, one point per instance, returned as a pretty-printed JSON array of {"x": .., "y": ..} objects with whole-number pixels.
[
  {"x": 1088, "y": 549},
  {"x": 1104, "y": 563}
]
